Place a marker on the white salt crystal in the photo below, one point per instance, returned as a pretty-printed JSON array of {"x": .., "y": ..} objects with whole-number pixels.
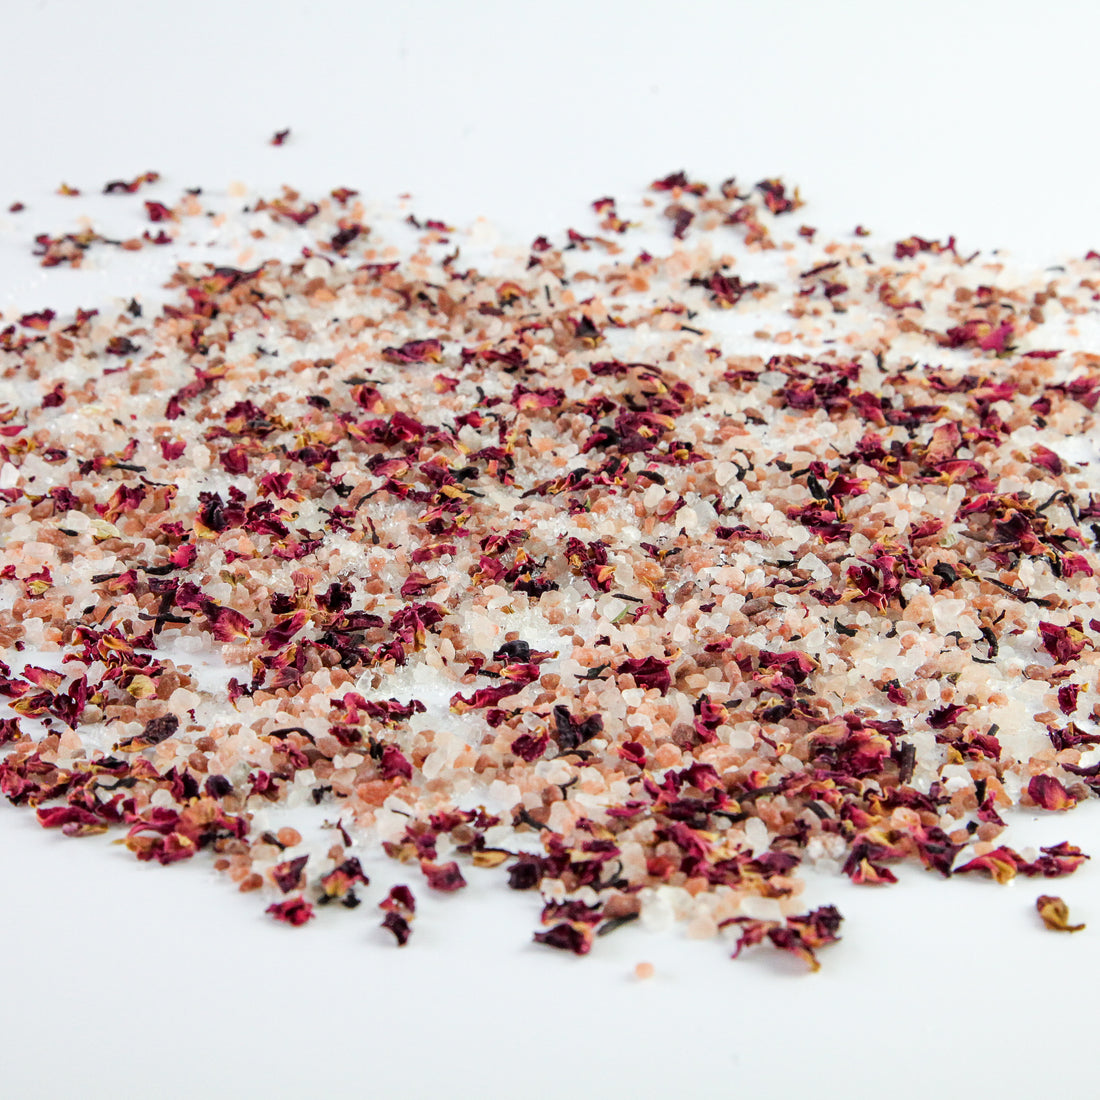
[
  {"x": 756, "y": 833},
  {"x": 945, "y": 613},
  {"x": 554, "y": 771},
  {"x": 724, "y": 473},
  {"x": 75, "y": 521},
  {"x": 740, "y": 737},
  {"x": 817, "y": 569},
  {"x": 507, "y": 794},
  {"x": 761, "y": 908},
  {"x": 657, "y": 913}
]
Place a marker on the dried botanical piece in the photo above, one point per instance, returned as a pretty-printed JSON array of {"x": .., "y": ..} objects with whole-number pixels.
[
  {"x": 400, "y": 908},
  {"x": 1055, "y": 914},
  {"x": 640, "y": 567},
  {"x": 801, "y": 935},
  {"x": 294, "y": 911}
]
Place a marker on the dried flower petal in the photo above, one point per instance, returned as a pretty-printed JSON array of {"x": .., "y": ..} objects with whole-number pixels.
[
  {"x": 445, "y": 877},
  {"x": 399, "y": 926},
  {"x": 1055, "y": 914},
  {"x": 294, "y": 911}
]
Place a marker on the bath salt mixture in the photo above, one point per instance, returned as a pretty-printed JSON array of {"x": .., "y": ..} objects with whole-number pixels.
[{"x": 645, "y": 563}]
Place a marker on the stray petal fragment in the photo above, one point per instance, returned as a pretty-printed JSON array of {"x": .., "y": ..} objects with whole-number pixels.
[
  {"x": 800, "y": 935},
  {"x": 1055, "y": 914},
  {"x": 294, "y": 911},
  {"x": 400, "y": 908}
]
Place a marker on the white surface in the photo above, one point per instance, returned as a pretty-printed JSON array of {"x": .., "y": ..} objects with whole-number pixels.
[{"x": 124, "y": 980}]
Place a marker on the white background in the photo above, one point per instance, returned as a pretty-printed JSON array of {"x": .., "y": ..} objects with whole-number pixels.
[{"x": 121, "y": 980}]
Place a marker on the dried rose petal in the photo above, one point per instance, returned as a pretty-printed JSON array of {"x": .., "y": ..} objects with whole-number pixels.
[
  {"x": 156, "y": 730},
  {"x": 1055, "y": 914},
  {"x": 567, "y": 937},
  {"x": 288, "y": 874},
  {"x": 339, "y": 883},
  {"x": 294, "y": 911},
  {"x": 1047, "y": 792},
  {"x": 444, "y": 877},
  {"x": 399, "y": 900},
  {"x": 399, "y": 926}
]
